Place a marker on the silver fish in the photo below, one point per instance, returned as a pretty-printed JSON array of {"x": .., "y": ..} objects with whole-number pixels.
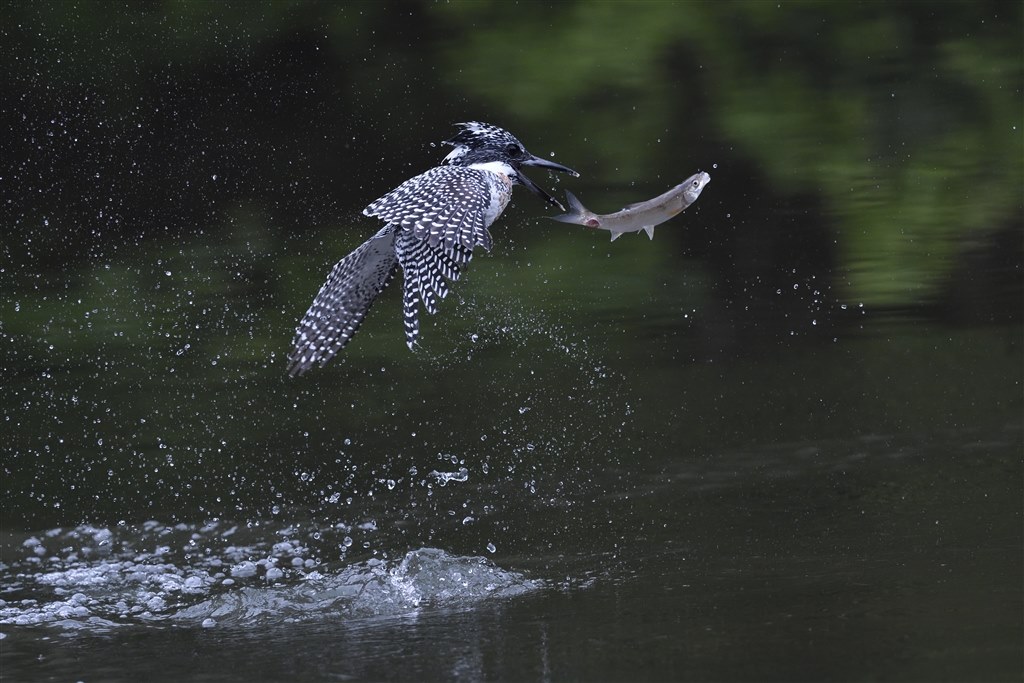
[{"x": 640, "y": 216}]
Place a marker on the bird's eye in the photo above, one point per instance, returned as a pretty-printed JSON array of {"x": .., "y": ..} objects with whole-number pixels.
[{"x": 513, "y": 150}]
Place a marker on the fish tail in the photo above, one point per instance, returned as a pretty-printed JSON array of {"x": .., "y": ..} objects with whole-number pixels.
[{"x": 577, "y": 212}]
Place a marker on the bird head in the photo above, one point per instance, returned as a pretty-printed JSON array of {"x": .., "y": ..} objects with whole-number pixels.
[{"x": 483, "y": 145}]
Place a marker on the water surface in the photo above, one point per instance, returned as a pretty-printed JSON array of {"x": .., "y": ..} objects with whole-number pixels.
[{"x": 781, "y": 441}]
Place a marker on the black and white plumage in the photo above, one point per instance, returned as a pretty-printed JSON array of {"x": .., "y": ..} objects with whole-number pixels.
[{"x": 433, "y": 223}]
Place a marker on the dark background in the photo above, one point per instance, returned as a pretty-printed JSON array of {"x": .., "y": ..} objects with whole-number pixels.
[{"x": 834, "y": 327}]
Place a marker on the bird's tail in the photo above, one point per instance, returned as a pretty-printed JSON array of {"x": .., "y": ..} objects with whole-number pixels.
[
  {"x": 424, "y": 271},
  {"x": 341, "y": 304}
]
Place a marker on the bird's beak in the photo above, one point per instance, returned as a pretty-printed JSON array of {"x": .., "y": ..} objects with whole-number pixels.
[{"x": 536, "y": 189}]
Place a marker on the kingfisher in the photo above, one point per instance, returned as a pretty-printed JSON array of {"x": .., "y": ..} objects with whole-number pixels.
[{"x": 433, "y": 222}]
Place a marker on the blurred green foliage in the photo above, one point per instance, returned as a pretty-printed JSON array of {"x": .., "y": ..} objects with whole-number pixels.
[{"x": 902, "y": 122}]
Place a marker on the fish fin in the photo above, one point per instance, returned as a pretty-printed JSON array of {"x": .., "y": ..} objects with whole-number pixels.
[
  {"x": 649, "y": 229},
  {"x": 576, "y": 211},
  {"x": 615, "y": 235},
  {"x": 574, "y": 204}
]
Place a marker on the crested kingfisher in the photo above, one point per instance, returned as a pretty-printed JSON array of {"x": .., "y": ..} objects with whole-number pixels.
[{"x": 433, "y": 222}]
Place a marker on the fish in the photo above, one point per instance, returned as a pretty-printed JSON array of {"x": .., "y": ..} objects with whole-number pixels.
[{"x": 640, "y": 216}]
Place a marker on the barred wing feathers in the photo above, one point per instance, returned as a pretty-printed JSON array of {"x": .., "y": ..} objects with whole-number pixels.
[
  {"x": 446, "y": 206},
  {"x": 343, "y": 301}
]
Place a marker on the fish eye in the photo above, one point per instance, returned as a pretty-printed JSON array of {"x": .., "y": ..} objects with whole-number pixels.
[{"x": 513, "y": 150}]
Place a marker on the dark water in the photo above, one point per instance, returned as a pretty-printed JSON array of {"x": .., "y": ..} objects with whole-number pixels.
[{"x": 781, "y": 441}]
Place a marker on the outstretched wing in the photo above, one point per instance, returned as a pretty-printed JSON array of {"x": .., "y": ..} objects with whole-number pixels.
[
  {"x": 424, "y": 271},
  {"x": 446, "y": 206},
  {"x": 343, "y": 301}
]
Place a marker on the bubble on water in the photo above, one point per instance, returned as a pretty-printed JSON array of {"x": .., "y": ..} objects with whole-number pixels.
[
  {"x": 209, "y": 623},
  {"x": 491, "y": 548},
  {"x": 714, "y": 165}
]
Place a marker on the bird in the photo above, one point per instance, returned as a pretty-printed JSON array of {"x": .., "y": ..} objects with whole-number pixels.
[{"x": 432, "y": 224}]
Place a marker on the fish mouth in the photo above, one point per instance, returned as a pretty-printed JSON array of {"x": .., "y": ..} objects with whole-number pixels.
[{"x": 534, "y": 187}]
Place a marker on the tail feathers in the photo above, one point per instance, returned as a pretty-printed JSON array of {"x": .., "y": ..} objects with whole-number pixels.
[
  {"x": 355, "y": 282},
  {"x": 410, "y": 314},
  {"x": 425, "y": 269},
  {"x": 343, "y": 301}
]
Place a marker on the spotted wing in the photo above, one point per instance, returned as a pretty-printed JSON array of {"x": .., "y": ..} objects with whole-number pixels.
[
  {"x": 341, "y": 304},
  {"x": 425, "y": 270},
  {"x": 446, "y": 206}
]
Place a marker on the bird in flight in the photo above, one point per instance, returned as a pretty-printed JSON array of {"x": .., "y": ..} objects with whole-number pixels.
[{"x": 433, "y": 222}]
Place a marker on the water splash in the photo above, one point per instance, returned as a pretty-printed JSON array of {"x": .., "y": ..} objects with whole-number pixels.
[{"x": 94, "y": 587}]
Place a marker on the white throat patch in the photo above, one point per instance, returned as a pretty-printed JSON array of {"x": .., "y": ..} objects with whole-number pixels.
[{"x": 498, "y": 167}]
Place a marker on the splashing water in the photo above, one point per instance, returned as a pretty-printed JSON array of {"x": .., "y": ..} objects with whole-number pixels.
[{"x": 99, "y": 580}]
